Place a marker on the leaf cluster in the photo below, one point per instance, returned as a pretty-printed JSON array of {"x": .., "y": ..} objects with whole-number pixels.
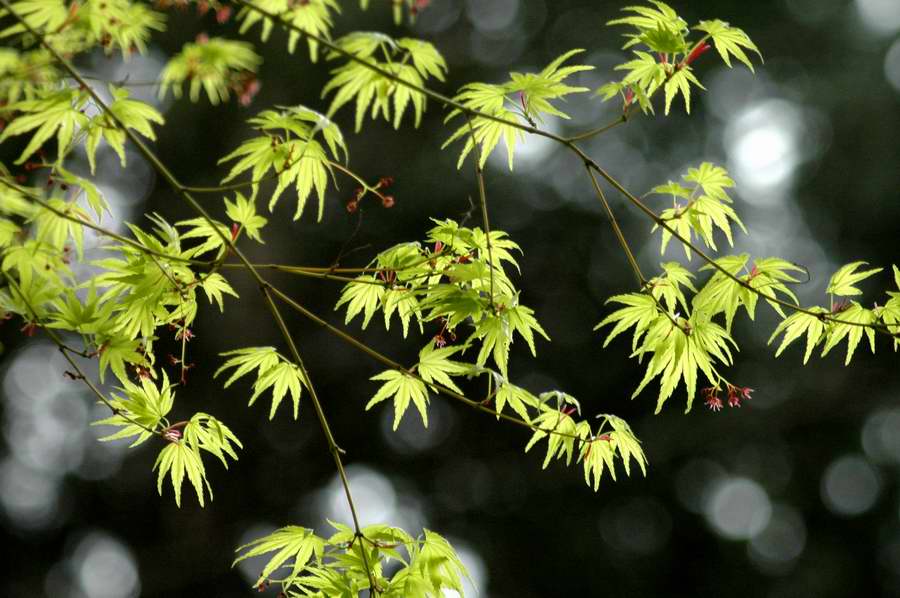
[
  {"x": 273, "y": 372},
  {"x": 526, "y": 99},
  {"x": 313, "y": 566},
  {"x": 215, "y": 65},
  {"x": 293, "y": 147},
  {"x": 663, "y": 54},
  {"x": 382, "y": 78}
]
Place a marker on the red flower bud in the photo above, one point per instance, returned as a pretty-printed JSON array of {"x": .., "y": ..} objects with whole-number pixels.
[
  {"x": 352, "y": 206},
  {"x": 696, "y": 52},
  {"x": 172, "y": 434},
  {"x": 202, "y": 38},
  {"x": 388, "y": 201},
  {"x": 235, "y": 228},
  {"x": 249, "y": 91},
  {"x": 223, "y": 14}
]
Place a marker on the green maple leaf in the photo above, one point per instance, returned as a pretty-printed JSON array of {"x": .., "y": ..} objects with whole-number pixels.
[{"x": 403, "y": 389}]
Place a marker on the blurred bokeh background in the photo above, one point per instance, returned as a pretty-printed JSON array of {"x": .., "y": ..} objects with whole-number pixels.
[{"x": 794, "y": 494}]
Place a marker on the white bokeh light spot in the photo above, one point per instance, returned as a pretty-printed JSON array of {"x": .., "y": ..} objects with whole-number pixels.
[
  {"x": 880, "y": 16},
  {"x": 892, "y": 65},
  {"x": 492, "y": 16},
  {"x": 103, "y": 567},
  {"x": 738, "y": 509},
  {"x": 781, "y": 542},
  {"x": 763, "y": 153},
  {"x": 850, "y": 486}
]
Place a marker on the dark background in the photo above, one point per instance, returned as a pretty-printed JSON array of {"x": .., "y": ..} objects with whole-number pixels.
[{"x": 794, "y": 494}]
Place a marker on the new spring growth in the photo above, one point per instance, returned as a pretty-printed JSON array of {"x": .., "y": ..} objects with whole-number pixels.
[
  {"x": 387, "y": 201},
  {"x": 697, "y": 52}
]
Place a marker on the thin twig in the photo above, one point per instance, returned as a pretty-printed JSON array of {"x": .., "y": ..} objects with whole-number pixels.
[
  {"x": 619, "y": 235},
  {"x": 333, "y": 447},
  {"x": 482, "y": 195}
]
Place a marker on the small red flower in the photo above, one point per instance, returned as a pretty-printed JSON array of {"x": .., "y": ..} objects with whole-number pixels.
[
  {"x": 352, "y": 206},
  {"x": 711, "y": 398},
  {"x": 202, "y": 38},
  {"x": 388, "y": 201},
  {"x": 736, "y": 394}
]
